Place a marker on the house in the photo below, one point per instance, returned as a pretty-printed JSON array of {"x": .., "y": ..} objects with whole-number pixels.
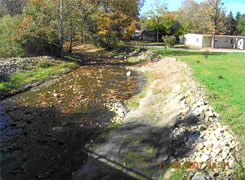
[
  {"x": 221, "y": 41},
  {"x": 136, "y": 35},
  {"x": 149, "y": 36}
]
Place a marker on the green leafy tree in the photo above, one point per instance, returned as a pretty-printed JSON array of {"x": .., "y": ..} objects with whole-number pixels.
[
  {"x": 241, "y": 25},
  {"x": 156, "y": 16},
  {"x": 231, "y": 24},
  {"x": 238, "y": 16}
]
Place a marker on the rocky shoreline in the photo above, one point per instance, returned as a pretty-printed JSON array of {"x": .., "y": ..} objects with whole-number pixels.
[
  {"x": 215, "y": 150},
  {"x": 215, "y": 145},
  {"x": 8, "y": 66}
]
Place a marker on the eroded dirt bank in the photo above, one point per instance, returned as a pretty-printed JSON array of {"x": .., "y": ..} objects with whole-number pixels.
[{"x": 173, "y": 125}]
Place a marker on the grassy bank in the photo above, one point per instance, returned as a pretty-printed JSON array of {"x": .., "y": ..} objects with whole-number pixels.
[
  {"x": 223, "y": 74},
  {"x": 42, "y": 70}
]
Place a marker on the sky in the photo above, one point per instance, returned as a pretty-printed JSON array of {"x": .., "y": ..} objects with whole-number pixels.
[{"x": 173, "y": 5}]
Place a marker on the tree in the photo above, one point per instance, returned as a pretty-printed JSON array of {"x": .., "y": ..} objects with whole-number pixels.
[
  {"x": 214, "y": 11},
  {"x": 238, "y": 19},
  {"x": 8, "y": 45},
  {"x": 61, "y": 8},
  {"x": 156, "y": 15},
  {"x": 12, "y": 7},
  {"x": 168, "y": 24},
  {"x": 193, "y": 17},
  {"x": 116, "y": 20},
  {"x": 40, "y": 25},
  {"x": 241, "y": 25},
  {"x": 238, "y": 16},
  {"x": 231, "y": 24},
  {"x": 48, "y": 20}
]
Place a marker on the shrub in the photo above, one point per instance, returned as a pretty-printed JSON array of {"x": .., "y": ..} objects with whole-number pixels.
[
  {"x": 169, "y": 40},
  {"x": 10, "y": 47}
]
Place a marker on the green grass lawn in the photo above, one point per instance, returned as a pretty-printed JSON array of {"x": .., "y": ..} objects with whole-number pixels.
[
  {"x": 223, "y": 74},
  {"x": 40, "y": 71}
]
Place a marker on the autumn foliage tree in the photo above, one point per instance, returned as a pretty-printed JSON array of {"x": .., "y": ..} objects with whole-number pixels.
[
  {"x": 116, "y": 20},
  {"x": 38, "y": 29}
]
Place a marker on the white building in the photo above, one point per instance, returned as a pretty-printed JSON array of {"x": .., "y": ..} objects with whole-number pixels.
[{"x": 221, "y": 41}]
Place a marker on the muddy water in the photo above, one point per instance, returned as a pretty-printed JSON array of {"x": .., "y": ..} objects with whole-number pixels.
[{"x": 44, "y": 130}]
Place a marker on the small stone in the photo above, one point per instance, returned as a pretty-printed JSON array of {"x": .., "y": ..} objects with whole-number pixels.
[
  {"x": 199, "y": 147},
  {"x": 213, "y": 154},
  {"x": 231, "y": 162},
  {"x": 219, "y": 130},
  {"x": 229, "y": 172},
  {"x": 204, "y": 158},
  {"x": 219, "y": 159},
  {"x": 218, "y": 147},
  {"x": 224, "y": 154},
  {"x": 215, "y": 175},
  {"x": 208, "y": 144},
  {"x": 198, "y": 111},
  {"x": 209, "y": 114},
  {"x": 232, "y": 145},
  {"x": 198, "y": 177},
  {"x": 203, "y": 165},
  {"x": 203, "y": 127}
]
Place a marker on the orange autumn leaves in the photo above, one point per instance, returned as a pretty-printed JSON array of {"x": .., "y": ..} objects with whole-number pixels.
[{"x": 84, "y": 88}]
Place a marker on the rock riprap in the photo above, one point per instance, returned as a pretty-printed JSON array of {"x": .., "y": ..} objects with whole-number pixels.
[{"x": 174, "y": 123}]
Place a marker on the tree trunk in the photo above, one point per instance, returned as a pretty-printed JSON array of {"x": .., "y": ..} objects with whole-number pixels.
[
  {"x": 157, "y": 29},
  {"x": 61, "y": 29},
  {"x": 213, "y": 40},
  {"x": 82, "y": 32},
  {"x": 71, "y": 35},
  {"x": 157, "y": 34}
]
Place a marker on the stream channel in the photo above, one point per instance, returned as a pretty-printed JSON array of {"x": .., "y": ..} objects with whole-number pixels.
[{"x": 43, "y": 130}]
